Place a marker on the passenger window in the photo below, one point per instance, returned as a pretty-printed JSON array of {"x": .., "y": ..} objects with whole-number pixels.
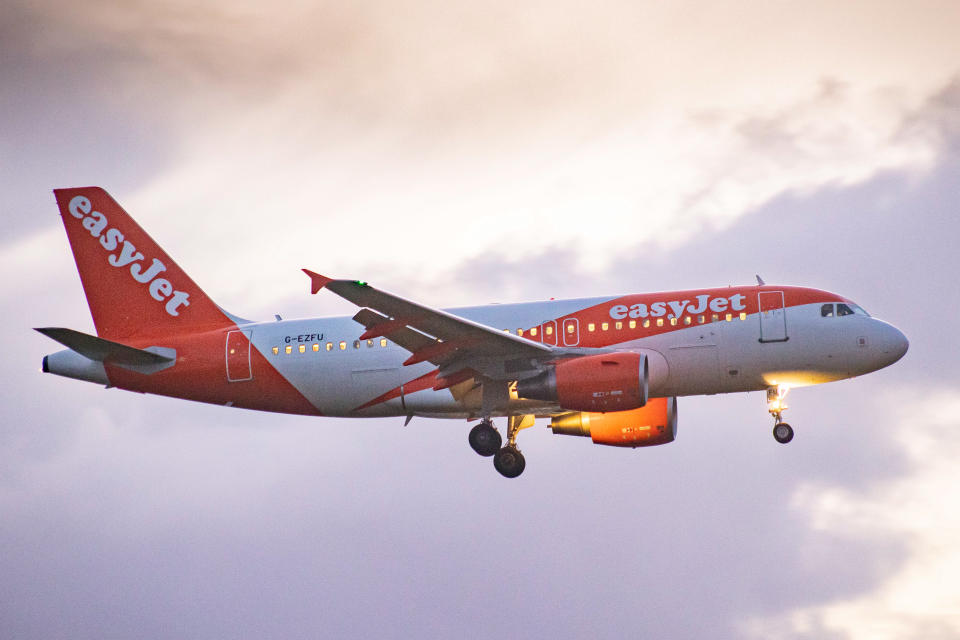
[
  {"x": 687, "y": 320},
  {"x": 383, "y": 342},
  {"x": 356, "y": 344},
  {"x": 549, "y": 330},
  {"x": 743, "y": 315},
  {"x": 826, "y": 311},
  {"x": 571, "y": 328},
  {"x": 533, "y": 331},
  {"x": 303, "y": 348},
  {"x": 646, "y": 323},
  {"x": 844, "y": 310},
  {"x": 701, "y": 319},
  {"x": 343, "y": 346},
  {"x": 715, "y": 317},
  {"x": 276, "y": 350},
  {"x": 619, "y": 326},
  {"x": 633, "y": 324},
  {"x": 369, "y": 343},
  {"x": 520, "y": 332},
  {"x": 329, "y": 346},
  {"x": 729, "y": 317},
  {"x": 316, "y": 347},
  {"x": 605, "y": 326},
  {"x": 288, "y": 350},
  {"x": 659, "y": 322},
  {"x": 673, "y": 322},
  {"x": 590, "y": 327}
]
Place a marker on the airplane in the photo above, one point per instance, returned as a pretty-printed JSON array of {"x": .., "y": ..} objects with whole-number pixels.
[{"x": 607, "y": 368}]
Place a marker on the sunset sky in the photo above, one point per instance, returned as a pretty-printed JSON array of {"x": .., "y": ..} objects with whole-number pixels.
[{"x": 464, "y": 153}]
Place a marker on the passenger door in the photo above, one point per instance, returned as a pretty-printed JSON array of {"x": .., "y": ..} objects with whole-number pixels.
[
  {"x": 773, "y": 317},
  {"x": 238, "y": 356}
]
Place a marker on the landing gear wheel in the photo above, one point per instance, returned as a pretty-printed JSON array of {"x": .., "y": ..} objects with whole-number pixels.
[
  {"x": 782, "y": 432},
  {"x": 485, "y": 439},
  {"x": 509, "y": 462}
]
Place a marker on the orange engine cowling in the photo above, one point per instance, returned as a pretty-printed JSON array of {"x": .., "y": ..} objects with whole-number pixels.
[
  {"x": 607, "y": 382},
  {"x": 653, "y": 424}
]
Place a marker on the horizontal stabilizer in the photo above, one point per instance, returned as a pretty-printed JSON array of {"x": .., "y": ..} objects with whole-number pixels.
[{"x": 101, "y": 350}]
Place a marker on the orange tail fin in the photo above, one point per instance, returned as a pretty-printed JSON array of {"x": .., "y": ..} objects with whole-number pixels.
[{"x": 132, "y": 286}]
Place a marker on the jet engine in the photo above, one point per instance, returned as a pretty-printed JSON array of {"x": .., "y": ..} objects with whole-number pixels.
[
  {"x": 606, "y": 382},
  {"x": 654, "y": 423}
]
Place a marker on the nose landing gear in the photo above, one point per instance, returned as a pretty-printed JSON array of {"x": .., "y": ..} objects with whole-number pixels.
[{"x": 782, "y": 432}]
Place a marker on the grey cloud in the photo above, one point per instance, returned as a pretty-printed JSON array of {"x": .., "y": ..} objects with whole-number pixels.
[
  {"x": 773, "y": 133},
  {"x": 223, "y": 523},
  {"x": 66, "y": 120}
]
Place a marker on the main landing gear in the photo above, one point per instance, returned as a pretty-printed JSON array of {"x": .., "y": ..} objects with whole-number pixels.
[
  {"x": 485, "y": 440},
  {"x": 782, "y": 432},
  {"x": 509, "y": 461}
]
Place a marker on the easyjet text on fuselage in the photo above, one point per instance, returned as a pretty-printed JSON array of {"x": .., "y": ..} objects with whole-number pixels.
[{"x": 676, "y": 308}]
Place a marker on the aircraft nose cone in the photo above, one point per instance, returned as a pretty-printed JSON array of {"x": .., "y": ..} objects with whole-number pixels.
[{"x": 895, "y": 344}]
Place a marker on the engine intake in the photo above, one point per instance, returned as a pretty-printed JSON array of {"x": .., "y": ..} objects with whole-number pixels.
[
  {"x": 607, "y": 382},
  {"x": 653, "y": 424}
]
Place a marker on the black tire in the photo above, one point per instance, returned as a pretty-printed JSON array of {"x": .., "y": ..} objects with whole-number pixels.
[
  {"x": 782, "y": 433},
  {"x": 485, "y": 439},
  {"x": 509, "y": 462}
]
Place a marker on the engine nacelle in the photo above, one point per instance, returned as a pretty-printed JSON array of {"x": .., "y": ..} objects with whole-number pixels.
[
  {"x": 653, "y": 424},
  {"x": 607, "y": 382}
]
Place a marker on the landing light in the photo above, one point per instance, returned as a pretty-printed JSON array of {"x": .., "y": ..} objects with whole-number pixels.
[{"x": 776, "y": 397}]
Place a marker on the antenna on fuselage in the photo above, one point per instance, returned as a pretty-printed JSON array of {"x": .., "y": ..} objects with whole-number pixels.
[{"x": 760, "y": 281}]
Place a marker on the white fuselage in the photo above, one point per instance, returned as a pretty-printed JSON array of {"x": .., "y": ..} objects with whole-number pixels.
[{"x": 338, "y": 373}]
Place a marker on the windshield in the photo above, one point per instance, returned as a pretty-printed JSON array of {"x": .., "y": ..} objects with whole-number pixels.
[{"x": 841, "y": 309}]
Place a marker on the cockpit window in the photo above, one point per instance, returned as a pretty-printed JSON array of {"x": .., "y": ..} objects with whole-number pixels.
[{"x": 842, "y": 309}]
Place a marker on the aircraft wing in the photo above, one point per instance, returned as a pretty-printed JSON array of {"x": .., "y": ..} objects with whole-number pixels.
[{"x": 433, "y": 335}]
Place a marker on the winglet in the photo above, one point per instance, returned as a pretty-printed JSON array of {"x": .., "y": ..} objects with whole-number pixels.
[{"x": 317, "y": 281}]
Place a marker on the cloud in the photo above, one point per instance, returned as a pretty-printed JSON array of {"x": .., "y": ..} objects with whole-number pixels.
[
  {"x": 918, "y": 598},
  {"x": 345, "y": 137}
]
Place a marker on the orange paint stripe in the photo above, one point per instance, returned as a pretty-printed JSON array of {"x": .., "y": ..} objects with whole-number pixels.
[{"x": 417, "y": 384}]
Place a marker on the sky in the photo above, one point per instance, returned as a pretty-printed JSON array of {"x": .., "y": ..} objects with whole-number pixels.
[{"x": 463, "y": 153}]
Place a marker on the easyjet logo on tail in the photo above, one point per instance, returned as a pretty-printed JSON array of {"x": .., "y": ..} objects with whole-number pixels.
[{"x": 160, "y": 289}]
